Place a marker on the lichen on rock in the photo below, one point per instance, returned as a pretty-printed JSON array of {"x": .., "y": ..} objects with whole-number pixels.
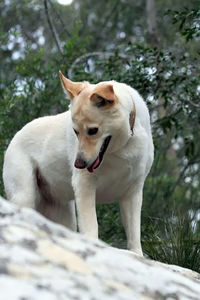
[{"x": 43, "y": 260}]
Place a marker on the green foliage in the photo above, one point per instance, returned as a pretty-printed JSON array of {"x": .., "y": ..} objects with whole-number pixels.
[
  {"x": 179, "y": 243},
  {"x": 110, "y": 228},
  {"x": 188, "y": 22}
]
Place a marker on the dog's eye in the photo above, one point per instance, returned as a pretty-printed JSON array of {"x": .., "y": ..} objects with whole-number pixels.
[
  {"x": 76, "y": 132},
  {"x": 92, "y": 131}
]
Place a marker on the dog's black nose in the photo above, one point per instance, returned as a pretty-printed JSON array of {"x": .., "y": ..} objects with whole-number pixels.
[{"x": 80, "y": 163}]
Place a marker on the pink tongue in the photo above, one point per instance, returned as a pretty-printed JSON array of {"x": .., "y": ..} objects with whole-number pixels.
[{"x": 95, "y": 164}]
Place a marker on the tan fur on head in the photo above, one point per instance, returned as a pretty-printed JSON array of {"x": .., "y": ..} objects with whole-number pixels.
[{"x": 103, "y": 95}]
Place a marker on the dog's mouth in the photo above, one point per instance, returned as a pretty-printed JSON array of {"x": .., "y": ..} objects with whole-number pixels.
[{"x": 99, "y": 158}]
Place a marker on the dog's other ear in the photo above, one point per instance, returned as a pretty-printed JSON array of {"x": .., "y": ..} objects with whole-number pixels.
[
  {"x": 103, "y": 95},
  {"x": 71, "y": 88}
]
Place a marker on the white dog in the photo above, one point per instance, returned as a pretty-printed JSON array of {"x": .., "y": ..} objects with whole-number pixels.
[{"x": 101, "y": 150}]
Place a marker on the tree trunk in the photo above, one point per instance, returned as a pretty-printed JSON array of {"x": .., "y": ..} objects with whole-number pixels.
[
  {"x": 151, "y": 22},
  {"x": 162, "y": 112}
]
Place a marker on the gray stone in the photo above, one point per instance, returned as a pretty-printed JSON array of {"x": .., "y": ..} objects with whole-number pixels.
[{"x": 43, "y": 260}]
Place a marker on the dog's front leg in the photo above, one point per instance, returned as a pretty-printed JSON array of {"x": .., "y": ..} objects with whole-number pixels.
[
  {"x": 85, "y": 195},
  {"x": 130, "y": 208}
]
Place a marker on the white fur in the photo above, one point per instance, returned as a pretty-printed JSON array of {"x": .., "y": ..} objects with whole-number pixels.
[{"x": 50, "y": 144}]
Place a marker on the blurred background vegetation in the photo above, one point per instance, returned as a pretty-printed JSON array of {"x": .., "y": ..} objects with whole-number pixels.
[{"x": 152, "y": 45}]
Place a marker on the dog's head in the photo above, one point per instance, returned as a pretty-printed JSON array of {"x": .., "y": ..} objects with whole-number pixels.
[{"x": 98, "y": 119}]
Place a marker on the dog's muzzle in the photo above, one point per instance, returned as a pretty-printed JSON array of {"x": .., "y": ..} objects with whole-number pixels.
[
  {"x": 99, "y": 158},
  {"x": 80, "y": 163}
]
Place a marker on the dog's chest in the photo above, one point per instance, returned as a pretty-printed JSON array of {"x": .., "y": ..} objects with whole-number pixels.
[{"x": 114, "y": 179}]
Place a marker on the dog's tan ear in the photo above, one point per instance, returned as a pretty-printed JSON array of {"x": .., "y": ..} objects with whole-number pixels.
[
  {"x": 71, "y": 89},
  {"x": 103, "y": 95}
]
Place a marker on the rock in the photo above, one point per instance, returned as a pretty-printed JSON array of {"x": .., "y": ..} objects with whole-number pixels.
[{"x": 43, "y": 260}]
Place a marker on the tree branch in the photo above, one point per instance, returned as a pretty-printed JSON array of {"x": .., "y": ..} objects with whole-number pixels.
[
  {"x": 107, "y": 18},
  {"x": 100, "y": 54},
  {"x": 182, "y": 173},
  {"x": 52, "y": 28},
  {"x": 58, "y": 16},
  {"x": 194, "y": 104}
]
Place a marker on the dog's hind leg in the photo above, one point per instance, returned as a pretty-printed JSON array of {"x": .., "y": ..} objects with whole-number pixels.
[
  {"x": 19, "y": 179},
  {"x": 130, "y": 208},
  {"x": 66, "y": 215},
  {"x": 60, "y": 213},
  {"x": 53, "y": 205}
]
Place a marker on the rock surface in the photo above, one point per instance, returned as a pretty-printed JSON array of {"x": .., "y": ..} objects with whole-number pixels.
[{"x": 41, "y": 260}]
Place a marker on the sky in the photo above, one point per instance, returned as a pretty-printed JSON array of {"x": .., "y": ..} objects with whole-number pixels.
[{"x": 65, "y": 2}]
